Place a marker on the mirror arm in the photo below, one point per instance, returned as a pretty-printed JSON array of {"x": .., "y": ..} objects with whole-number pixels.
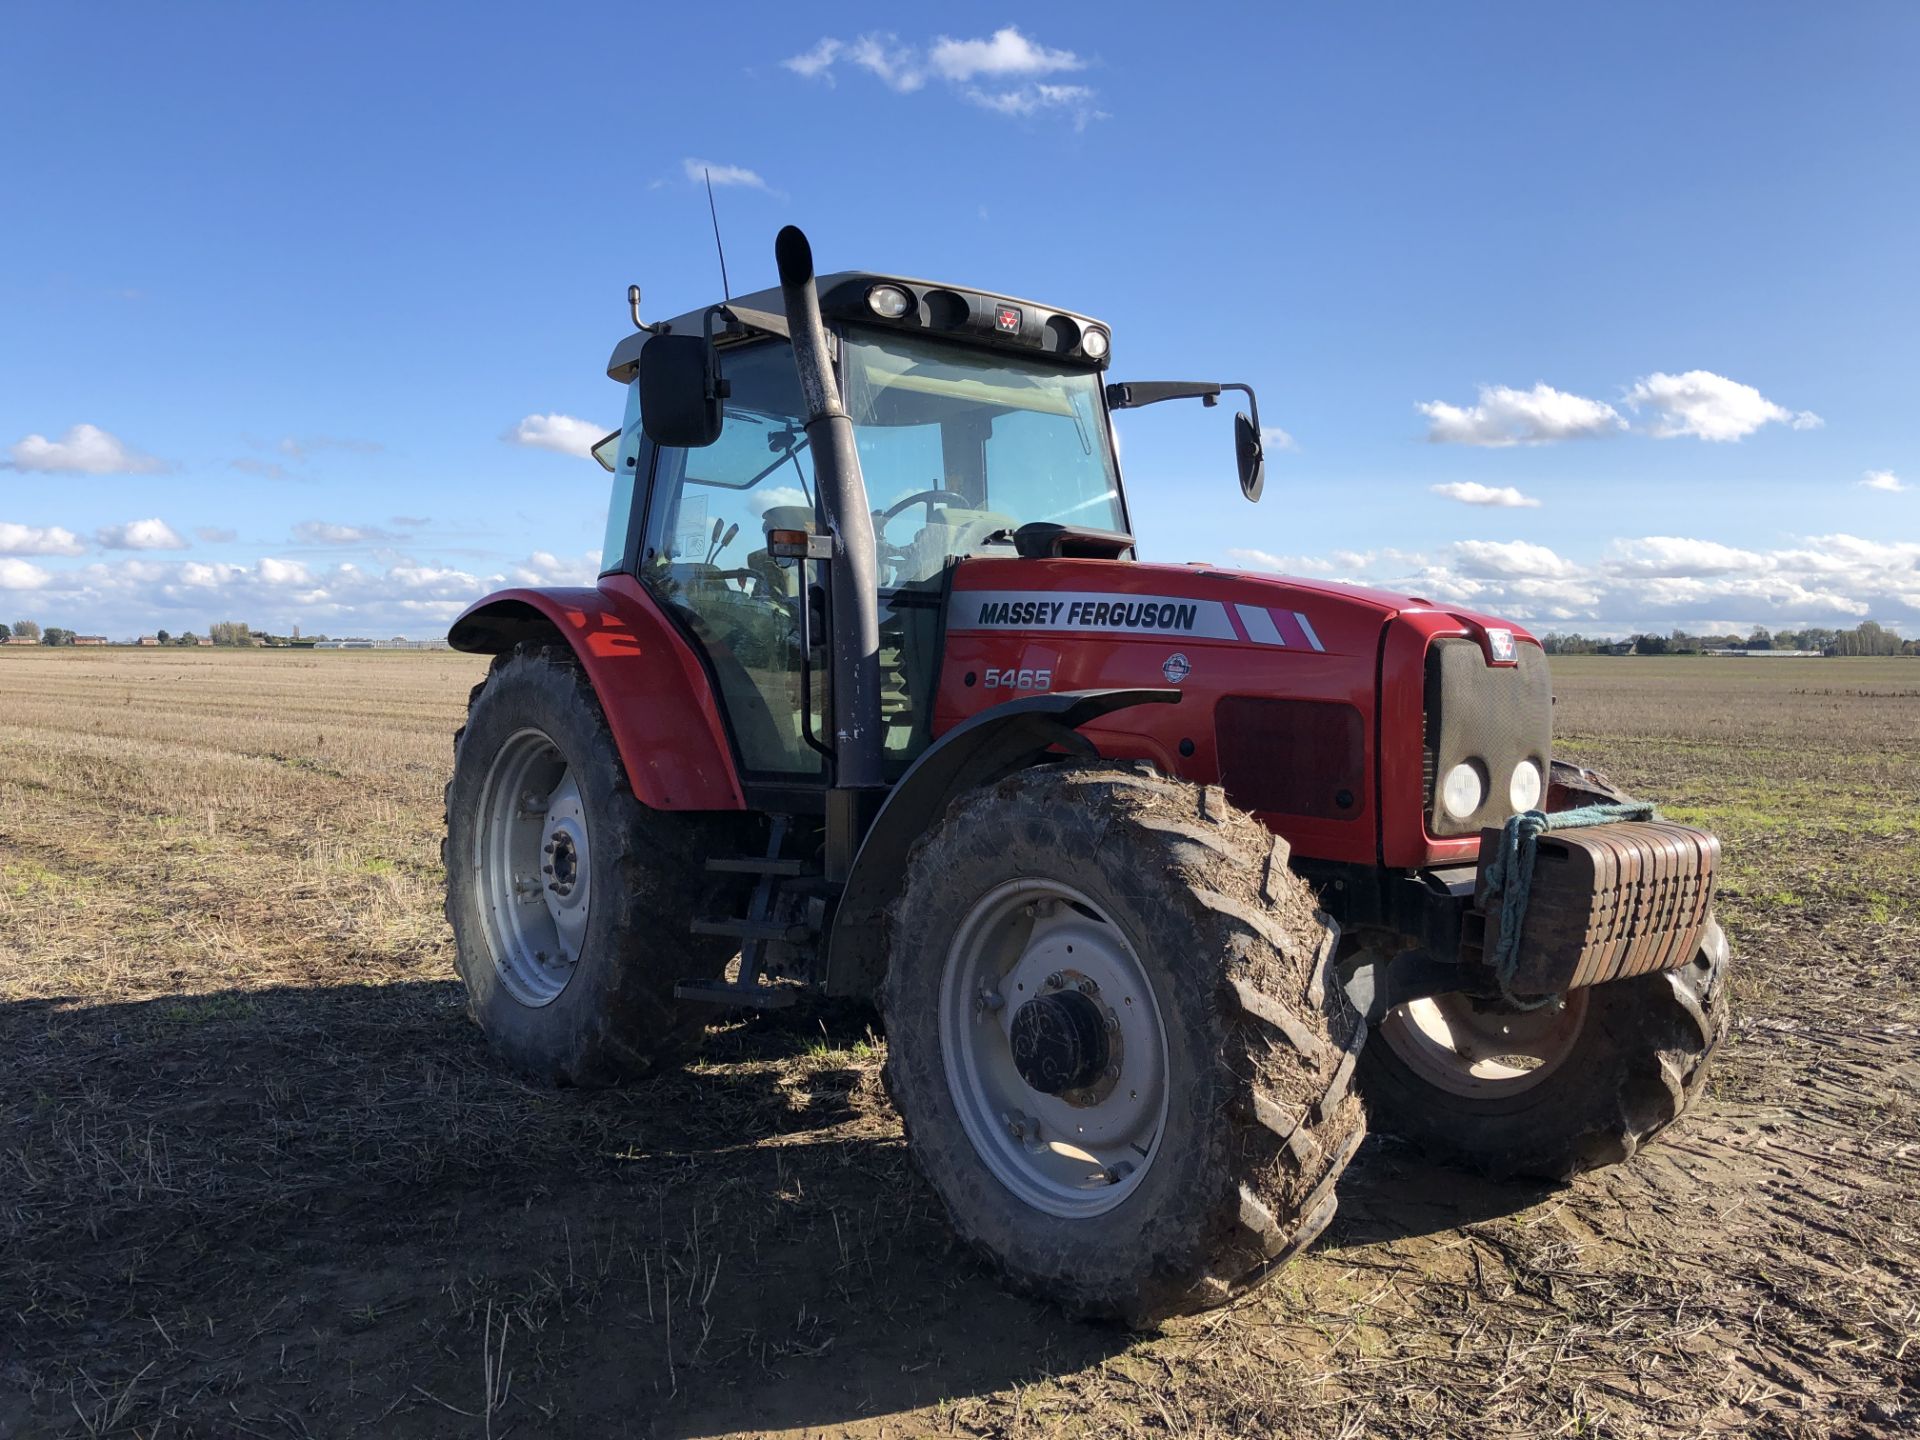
[{"x": 1253, "y": 404}]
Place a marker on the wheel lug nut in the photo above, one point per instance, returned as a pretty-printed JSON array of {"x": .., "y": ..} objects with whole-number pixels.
[
  {"x": 1087, "y": 987},
  {"x": 1056, "y": 980}
]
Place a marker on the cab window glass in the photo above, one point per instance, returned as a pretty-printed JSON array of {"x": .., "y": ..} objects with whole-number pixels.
[{"x": 706, "y": 553}]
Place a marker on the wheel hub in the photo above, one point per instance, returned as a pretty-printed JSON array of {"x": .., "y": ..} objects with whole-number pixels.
[
  {"x": 1059, "y": 1042},
  {"x": 563, "y": 863}
]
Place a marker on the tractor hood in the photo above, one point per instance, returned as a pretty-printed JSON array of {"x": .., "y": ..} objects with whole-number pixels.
[
  {"x": 1384, "y": 603},
  {"x": 1196, "y": 603}
]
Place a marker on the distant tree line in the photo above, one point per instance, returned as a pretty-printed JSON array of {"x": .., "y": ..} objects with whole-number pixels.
[
  {"x": 1869, "y": 637},
  {"x": 222, "y": 632}
]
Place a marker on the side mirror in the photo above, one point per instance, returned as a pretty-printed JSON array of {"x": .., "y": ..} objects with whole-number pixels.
[
  {"x": 1250, "y": 456},
  {"x": 681, "y": 391}
]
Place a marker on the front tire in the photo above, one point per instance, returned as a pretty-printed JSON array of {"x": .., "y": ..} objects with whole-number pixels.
[
  {"x": 1550, "y": 1093},
  {"x": 1114, "y": 1042},
  {"x": 570, "y": 900}
]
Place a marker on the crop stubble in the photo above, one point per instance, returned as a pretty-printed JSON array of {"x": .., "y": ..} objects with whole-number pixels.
[{"x": 257, "y": 1175}]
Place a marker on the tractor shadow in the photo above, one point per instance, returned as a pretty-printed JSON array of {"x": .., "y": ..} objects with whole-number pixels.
[
  {"x": 349, "y": 1203},
  {"x": 330, "y": 1200}
]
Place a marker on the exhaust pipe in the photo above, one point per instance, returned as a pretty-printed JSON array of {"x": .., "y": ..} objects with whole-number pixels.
[{"x": 852, "y": 576}]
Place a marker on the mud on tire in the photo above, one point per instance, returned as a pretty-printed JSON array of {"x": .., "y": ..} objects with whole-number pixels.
[
  {"x": 1261, "y": 1044},
  {"x": 616, "y": 1018},
  {"x": 1638, "y": 1062}
]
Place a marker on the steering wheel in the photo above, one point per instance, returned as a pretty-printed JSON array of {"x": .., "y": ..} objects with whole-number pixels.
[{"x": 927, "y": 497}]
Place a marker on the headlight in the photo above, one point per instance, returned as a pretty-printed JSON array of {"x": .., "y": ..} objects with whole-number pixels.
[
  {"x": 1093, "y": 344},
  {"x": 1465, "y": 789},
  {"x": 1523, "y": 790},
  {"x": 889, "y": 302}
]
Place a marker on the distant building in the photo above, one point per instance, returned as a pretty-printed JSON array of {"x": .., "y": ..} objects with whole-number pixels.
[
  {"x": 397, "y": 643},
  {"x": 90, "y": 640},
  {"x": 148, "y": 640},
  {"x": 1740, "y": 654},
  {"x": 203, "y": 640}
]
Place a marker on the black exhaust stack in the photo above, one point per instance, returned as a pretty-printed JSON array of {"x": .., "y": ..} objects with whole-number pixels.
[{"x": 852, "y": 579}]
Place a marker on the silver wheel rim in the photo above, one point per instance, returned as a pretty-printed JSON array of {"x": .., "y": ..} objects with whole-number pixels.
[
  {"x": 533, "y": 859},
  {"x": 1484, "y": 1052},
  {"x": 1076, "y": 1154}
]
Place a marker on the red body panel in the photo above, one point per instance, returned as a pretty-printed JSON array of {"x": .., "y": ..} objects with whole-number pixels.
[
  {"x": 652, "y": 686},
  {"x": 1249, "y": 634}
]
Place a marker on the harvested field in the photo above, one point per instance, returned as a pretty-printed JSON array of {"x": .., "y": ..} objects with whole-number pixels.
[{"x": 258, "y": 1176}]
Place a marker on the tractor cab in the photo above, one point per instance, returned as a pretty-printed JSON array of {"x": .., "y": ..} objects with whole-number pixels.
[{"x": 982, "y": 429}]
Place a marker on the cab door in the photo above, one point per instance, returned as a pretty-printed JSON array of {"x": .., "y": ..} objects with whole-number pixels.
[{"x": 704, "y": 554}]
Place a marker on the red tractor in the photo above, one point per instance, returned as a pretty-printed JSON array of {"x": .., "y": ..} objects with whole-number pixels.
[{"x": 873, "y": 696}]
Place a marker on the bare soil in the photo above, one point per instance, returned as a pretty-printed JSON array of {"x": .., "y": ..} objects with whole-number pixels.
[{"x": 258, "y": 1175}]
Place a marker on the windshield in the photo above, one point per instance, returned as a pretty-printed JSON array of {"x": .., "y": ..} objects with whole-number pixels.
[{"x": 961, "y": 447}]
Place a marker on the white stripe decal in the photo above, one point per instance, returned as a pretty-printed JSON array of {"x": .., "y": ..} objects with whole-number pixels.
[
  {"x": 1306, "y": 628},
  {"x": 1260, "y": 626},
  {"x": 1089, "y": 611}
]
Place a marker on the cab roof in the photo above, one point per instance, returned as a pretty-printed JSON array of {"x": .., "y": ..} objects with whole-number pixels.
[{"x": 951, "y": 312}]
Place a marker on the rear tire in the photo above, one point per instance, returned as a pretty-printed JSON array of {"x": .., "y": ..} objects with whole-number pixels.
[
  {"x": 597, "y": 1007},
  {"x": 1635, "y": 1061},
  {"x": 1244, "y": 1115}
]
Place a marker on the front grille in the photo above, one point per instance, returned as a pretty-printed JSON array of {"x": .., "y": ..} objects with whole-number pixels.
[{"x": 1497, "y": 715}]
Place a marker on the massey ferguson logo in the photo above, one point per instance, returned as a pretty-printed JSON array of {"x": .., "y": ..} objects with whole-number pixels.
[
  {"x": 1089, "y": 614},
  {"x": 1176, "y": 668}
]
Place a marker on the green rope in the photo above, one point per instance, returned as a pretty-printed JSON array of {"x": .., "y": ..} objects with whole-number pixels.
[{"x": 1510, "y": 877}]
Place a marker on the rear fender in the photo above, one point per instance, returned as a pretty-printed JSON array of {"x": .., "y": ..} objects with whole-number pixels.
[
  {"x": 658, "y": 700},
  {"x": 978, "y": 751}
]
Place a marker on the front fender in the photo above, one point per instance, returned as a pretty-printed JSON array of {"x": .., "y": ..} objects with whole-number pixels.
[
  {"x": 977, "y": 751},
  {"x": 657, "y": 698}
]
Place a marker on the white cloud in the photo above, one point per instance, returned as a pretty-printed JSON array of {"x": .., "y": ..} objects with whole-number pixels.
[
  {"x": 545, "y": 568},
  {"x": 320, "y": 532},
  {"x": 1273, "y": 438},
  {"x": 700, "y": 170},
  {"x": 1496, "y": 558},
  {"x": 1655, "y": 582},
  {"x": 1471, "y": 492},
  {"x": 299, "y": 449},
  {"x": 1885, "y": 480},
  {"x": 1505, "y": 416},
  {"x": 153, "y": 534},
  {"x": 1029, "y": 99},
  {"x": 1001, "y": 73},
  {"x": 898, "y": 66},
  {"x": 1007, "y": 52},
  {"x": 1710, "y": 407},
  {"x": 19, "y": 575},
  {"x": 817, "y": 63},
  {"x": 83, "y": 450},
  {"x": 565, "y": 433},
  {"x": 38, "y": 540},
  {"x": 1674, "y": 556}
]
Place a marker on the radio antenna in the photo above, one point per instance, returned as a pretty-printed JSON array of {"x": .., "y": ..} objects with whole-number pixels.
[{"x": 725, "y": 291}]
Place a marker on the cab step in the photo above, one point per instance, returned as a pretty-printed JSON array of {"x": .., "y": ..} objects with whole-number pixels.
[
  {"x": 756, "y": 865},
  {"x": 748, "y": 928},
  {"x": 755, "y": 930},
  {"x": 758, "y": 995}
]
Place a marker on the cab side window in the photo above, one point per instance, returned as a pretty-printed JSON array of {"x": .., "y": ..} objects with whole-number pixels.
[{"x": 705, "y": 553}]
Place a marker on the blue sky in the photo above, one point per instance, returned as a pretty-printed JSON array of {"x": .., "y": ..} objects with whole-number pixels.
[{"x": 286, "y": 291}]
